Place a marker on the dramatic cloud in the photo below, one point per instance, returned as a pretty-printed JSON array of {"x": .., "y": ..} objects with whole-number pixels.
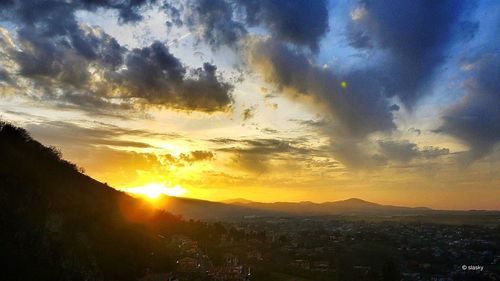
[
  {"x": 300, "y": 22},
  {"x": 81, "y": 66},
  {"x": 321, "y": 106},
  {"x": 55, "y": 62},
  {"x": 357, "y": 110},
  {"x": 413, "y": 40},
  {"x": 128, "y": 10},
  {"x": 353, "y": 101},
  {"x": 154, "y": 74},
  {"x": 57, "y": 17},
  {"x": 31, "y": 11},
  {"x": 476, "y": 119},
  {"x": 417, "y": 36},
  {"x": 214, "y": 21},
  {"x": 225, "y": 22}
]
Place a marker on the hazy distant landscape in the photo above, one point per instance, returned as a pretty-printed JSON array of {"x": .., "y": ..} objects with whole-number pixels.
[{"x": 350, "y": 209}]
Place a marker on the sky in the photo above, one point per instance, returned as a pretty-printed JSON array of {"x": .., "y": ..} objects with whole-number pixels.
[{"x": 396, "y": 102}]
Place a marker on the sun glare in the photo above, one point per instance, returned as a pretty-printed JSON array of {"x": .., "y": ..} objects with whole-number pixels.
[{"x": 154, "y": 190}]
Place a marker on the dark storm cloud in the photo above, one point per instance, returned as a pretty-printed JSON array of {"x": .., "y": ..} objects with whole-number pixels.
[
  {"x": 128, "y": 10},
  {"x": 212, "y": 20},
  {"x": 154, "y": 74},
  {"x": 414, "y": 38},
  {"x": 301, "y": 22},
  {"x": 62, "y": 59},
  {"x": 215, "y": 18},
  {"x": 42, "y": 12},
  {"x": 225, "y": 22},
  {"x": 357, "y": 110},
  {"x": 205, "y": 91},
  {"x": 50, "y": 60},
  {"x": 354, "y": 102},
  {"x": 354, "y": 111},
  {"x": 417, "y": 36},
  {"x": 476, "y": 119}
]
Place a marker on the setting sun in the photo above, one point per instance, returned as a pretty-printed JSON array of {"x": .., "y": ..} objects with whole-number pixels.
[{"x": 154, "y": 190}]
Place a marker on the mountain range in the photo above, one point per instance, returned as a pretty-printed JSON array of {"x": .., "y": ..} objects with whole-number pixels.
[{"x": 239, "y": 208}]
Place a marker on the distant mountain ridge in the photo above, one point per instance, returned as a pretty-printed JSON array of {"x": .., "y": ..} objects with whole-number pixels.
[
  {"x": 237, "y": 201},
  {"x": 342, "y": 207},
  {"x": 238, "y": 208}
]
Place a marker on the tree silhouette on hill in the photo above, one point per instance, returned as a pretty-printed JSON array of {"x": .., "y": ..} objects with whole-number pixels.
[{"x": 59, "y": 224}]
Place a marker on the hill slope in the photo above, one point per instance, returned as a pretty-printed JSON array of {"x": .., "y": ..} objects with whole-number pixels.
[
  {"x": 209, "y": 210},
  {"x": 59, "y": 224}
]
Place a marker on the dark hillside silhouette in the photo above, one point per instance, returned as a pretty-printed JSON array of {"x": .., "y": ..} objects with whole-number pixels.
[{"x": 59, "y": 224}]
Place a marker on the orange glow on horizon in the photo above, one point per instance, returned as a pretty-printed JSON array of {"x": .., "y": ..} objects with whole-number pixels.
[{"x": 154, "y": 190}]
